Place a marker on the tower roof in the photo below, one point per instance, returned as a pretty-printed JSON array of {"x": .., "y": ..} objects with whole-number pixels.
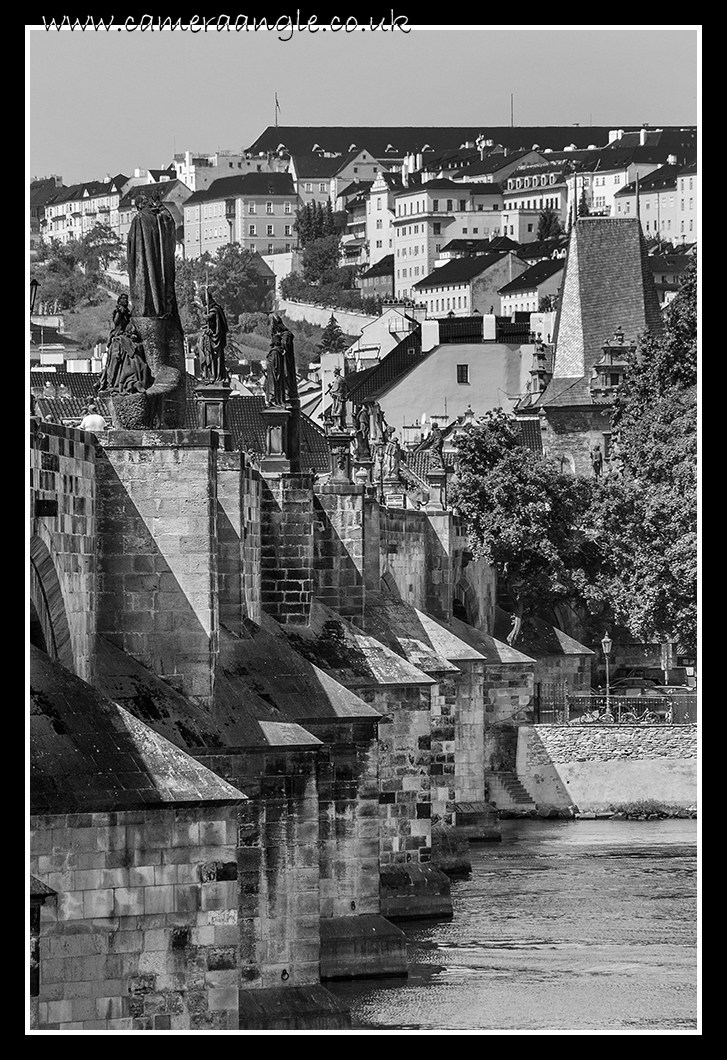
[{"x": 608, "y": 284}]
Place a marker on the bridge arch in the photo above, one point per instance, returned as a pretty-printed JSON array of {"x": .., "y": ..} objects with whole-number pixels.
[
  {"x": 49, "y": 629},
  {"x": 466, "y": 606}
]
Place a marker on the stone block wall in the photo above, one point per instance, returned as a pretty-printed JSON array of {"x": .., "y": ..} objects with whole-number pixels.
[
  {"x": 405, "y": 787},
  {"x": 569, "y": 434},
  {"x": 251, "y": 541},
  {"x": 287, "y": 527},
  {"x": 338, "y": 560},
  {"x": 599, "y": 767},
  {"x": 473, "y": 579},
  {"x": 230, "y": 533},
  {"x": 63, "y": 542},
  {"x": 279, "y": 874},
  {"x": 508, "y": 699},
  {"x": 469, "y": 733},
  {"x": 143, "y": 933},
  {"x": 348, "y": 814},
  {"x": 157, "y": 530},
  {"x": 442, "y": 750}
]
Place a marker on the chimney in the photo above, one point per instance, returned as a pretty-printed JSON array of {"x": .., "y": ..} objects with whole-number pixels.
[
  {"x": 671, "y": 160},
  {"x": 642, "y": 137}
]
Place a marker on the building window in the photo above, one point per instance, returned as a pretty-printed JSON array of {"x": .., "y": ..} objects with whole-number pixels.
[
  {"x": 323, "y": 186},
  {"x": 379, "y": 223},
  {"x": 462, "y": 205},
  {"x": 252, "y": 230},
  {"x": 271, "y": 248},
  {"x": 287, "y": 208},
  {"x": 270, "y": 230},
  {"x": 252, "y": 208},
  {"x": 268, "y": 207},
  {"x": 435, "y": 205},
  {"x": 309, "y": 187},
  {"x": 437, "y": 228},
  {"x": 464, "y": 231},
  {"x": 463, "y": 371},
  {"x": 287, "y": 230},
  {"x": 449, "y": 205},
  {"x": 287, "y": 248}
]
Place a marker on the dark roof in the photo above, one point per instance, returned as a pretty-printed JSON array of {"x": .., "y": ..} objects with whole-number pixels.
[
  {"x": 314, "y": 166},
  {"x": 481, "y": 246},
  {"x": 42, "y": 191},
  {"x": 87, "y": 753},
  {"x": 459, "y": 270},
  {"x": 492, "y": 163},
  {"x": 396, "y": 363},
  {"x": 534, "y": 276},
  {"x": 384, "y": 267},
  {"x": 608, "y": 283},
  {"x": 664, "y": 177},
  {"x": 300, "y": 139},
  {"x": 245, "y": 184},
  {"x": 542, "y": 248},
  {"x": 156, "y": 192},
  {"x": 531, "y": 436}
]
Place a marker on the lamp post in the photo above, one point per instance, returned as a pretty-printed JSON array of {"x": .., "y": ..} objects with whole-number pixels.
[
  {"x": 34, "y": 285},
  {"x": 607, "y": 644}
]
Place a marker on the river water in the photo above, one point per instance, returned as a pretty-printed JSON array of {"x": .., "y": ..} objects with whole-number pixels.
[{"x": 564, "y": 926}]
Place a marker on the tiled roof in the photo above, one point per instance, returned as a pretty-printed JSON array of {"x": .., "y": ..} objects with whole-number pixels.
[
  {"x": 244, "y": 184},
  {"x": 156, "y": 192},
  {"x": 42, "y": 191},
  {"x": 87, "y": 753},
  {"x": 531, "y": 436},
  {"x": 541, "y": 248},
  {"x": 316, "y": 166},
  {"x": 664, "y": 177},
  {"x": 384, "y": 267},
  {"x": 300, "y": 139},
  {"x": 492, "y": 163},
  {"x": 669, "y": 262},
  {"x": 248, "y": 432},
  {"x": 534, "y": 276},
  {"x": 608, "y": 283},
  {"x": 397, "y": 362},
  {"x": 459, "y": 270}
]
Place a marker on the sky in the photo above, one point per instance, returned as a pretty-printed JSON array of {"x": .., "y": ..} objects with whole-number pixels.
[{"x": 109, "y": 102}]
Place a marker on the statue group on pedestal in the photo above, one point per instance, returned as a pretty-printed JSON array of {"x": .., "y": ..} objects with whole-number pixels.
[{"x": 126, "y": 370}]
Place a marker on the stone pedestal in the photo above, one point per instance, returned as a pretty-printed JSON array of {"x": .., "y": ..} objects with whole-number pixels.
[
  {"x": 394, "y": 493},
  {"x": 212, "y": 401},
  {"x": 363, "y": 474},
  {"x": 292, "y": 1008},
  {"x": 478, "y": 821},
  {"x": 414, "y": 892},
  {"x": 276, "y": 420},
  {"x": 340, "y": 443},
  {"x": 361, "y": 947},
  {"x": 437, "y": 483}
]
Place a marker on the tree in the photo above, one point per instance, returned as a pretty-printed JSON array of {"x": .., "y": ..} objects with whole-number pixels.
[
  {"x": 583, "y": 210},
  {"x": 646, "y": 518},
  {"x": 549, "y": 225},
  {"x": 99, "y": 248},
  {"x": 524, "y": 516},
  {"x": 333, "y": 339},
  {"x": 321, "y": 260}
]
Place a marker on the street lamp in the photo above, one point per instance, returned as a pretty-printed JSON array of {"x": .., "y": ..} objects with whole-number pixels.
[
  {"x": 34, "y": 285},
  {"x": 607, "y": 644}
]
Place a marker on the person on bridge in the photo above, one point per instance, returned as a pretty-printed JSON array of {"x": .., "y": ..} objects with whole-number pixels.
[{"x": 92, "y": 421}]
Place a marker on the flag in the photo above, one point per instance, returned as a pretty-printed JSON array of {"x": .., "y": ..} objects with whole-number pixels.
[{"x": 277, "y": 105}]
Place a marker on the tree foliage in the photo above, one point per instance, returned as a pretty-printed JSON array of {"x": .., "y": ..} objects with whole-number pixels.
[
  {"x": 524, "y": 516},
  {"x": 646, "y": 517},
  {"x": 549, "y": 225},
  {"x": 315, "y": 221},
  {"x": 232, "y": 274},
  {"x": 333, "y": 339}
]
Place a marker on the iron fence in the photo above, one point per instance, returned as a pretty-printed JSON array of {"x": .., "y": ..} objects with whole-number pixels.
[{"x": 618, "y": 710}]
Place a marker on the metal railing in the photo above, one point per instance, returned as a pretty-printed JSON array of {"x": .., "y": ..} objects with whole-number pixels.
[{"x": 619, "y": 710}]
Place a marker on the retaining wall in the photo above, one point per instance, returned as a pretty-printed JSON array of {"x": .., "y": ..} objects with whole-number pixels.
[{"x": 602, "y": 766}]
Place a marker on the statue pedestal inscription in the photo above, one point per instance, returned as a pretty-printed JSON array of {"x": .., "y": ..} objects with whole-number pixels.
[
  {"x": 437, "y": 482},
  {"x": 340, "y": 443},
  {"x": 212, "y": 401},
  {"x": 276, "y": 422}
]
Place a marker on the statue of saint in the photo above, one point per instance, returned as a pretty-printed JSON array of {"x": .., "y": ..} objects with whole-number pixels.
[
  {"x": 436, "y": 448},
  {"x": 392, "y": 454},
  {"x": 213, "y": 344},
  {"x": 120, "y": 320},
  {"x": 597, "y": 460},
  {"x": 338, "y": 391},
  {"x": 362, "y": 421},
  {"x": 150, "y": 252},
  {"x": 126, "y": 371}
]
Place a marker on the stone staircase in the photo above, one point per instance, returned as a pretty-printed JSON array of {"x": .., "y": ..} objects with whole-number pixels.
[{"x": 507, "y": 792}]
